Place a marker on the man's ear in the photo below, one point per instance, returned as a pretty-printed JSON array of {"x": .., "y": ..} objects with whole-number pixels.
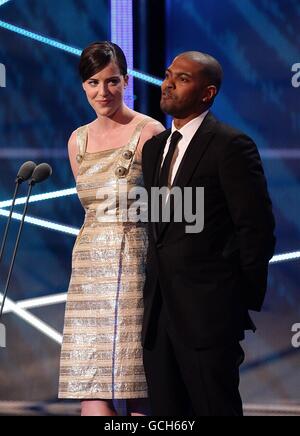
[
  {"x": 126, "y": 80},
  {"x": 210, "y": 93}
]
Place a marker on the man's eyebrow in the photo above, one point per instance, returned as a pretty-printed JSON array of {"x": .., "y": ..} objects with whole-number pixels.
[{"x": 183, "y": 73}]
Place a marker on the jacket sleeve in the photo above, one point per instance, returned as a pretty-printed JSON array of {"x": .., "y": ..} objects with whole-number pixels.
[{"x": 245, "y": 188}]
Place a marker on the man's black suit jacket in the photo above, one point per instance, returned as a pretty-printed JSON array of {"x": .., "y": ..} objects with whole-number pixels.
[{"x": 210, "y": 280}]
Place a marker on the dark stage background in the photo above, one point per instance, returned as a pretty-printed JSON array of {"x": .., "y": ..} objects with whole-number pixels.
[{"x": 257, "y": 41}]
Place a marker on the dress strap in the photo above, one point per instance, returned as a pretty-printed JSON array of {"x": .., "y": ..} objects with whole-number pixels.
[
  {"x": 82, "y": 136},
  {"x": 127, "y": 157}
]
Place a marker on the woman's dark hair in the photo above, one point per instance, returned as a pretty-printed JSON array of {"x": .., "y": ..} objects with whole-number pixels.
[{"x": 97, "y": 56}]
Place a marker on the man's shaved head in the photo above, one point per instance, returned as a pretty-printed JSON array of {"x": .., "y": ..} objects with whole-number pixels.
[
  {"x": 210, "y": 67},
  {"x": 191, "y": 85}
]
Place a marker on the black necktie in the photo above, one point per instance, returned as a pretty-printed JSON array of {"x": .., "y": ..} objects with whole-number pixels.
[{"x": 165, "y": 171}]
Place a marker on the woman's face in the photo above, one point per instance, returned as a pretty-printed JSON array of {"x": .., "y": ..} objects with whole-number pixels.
[{"x": 105, "y": 90}]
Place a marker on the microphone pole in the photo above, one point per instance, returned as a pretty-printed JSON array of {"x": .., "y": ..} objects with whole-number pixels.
[
  {"x": 9, "y": 221},
  {"x": 24, "y": 174},
  {"x": 41, "y": 173}
]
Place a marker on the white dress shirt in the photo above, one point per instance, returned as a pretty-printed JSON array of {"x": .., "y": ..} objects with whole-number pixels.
[{"x": 188, "y": 132}]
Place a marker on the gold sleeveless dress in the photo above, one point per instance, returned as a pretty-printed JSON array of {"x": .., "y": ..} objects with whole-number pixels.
[{"x": 102, "y": 353}]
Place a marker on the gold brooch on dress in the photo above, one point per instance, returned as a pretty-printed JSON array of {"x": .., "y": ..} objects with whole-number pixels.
[
  {"x": 128, "y": 155},
  {"x": 121, "y": 172},
  {"x": 79, "y": 158}
]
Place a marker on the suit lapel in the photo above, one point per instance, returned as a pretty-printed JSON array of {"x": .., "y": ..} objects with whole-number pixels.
[
  {"x": 191, "y": 159},
  {"x": 195, "y": 151},
  {"x": 157, "y": 151},
  {"x": 158, "y": 156}
]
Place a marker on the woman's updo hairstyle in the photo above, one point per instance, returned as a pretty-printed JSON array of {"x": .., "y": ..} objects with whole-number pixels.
[{"x": 97, "y": 56}]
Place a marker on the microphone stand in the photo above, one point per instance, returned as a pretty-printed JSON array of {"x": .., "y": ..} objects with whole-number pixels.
[
  {"x": 18, "y": 182},
  {"x": 15, "y": 249}
]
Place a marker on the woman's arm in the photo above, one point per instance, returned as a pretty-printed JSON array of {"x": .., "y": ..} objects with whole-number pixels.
[{"x": 73, "y": 152}]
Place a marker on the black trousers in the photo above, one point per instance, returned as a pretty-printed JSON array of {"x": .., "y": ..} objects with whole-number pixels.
[{"x": 190, "y": 382}]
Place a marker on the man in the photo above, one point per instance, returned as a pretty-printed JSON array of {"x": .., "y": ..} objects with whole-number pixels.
[{"x": 200, "y": 286}]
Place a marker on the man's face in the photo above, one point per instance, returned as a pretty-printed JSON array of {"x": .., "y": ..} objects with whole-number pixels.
[{"x": 183, "y": 89}]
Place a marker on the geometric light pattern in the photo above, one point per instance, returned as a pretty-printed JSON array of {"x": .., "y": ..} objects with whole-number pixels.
[
  {"x": 34, "y": 303},
  {"x": 40, "y": 197},
  {"x": 32, "y": 320},
  {"x": 40, "y": 38},
  {"x": 75, "y": 51},
  {"x": 285, "y": 257},
  {"x": 42, "y": 223}
]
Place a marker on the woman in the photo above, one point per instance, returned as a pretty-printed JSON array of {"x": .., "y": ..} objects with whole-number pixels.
[{"x": 101, "y": 357}]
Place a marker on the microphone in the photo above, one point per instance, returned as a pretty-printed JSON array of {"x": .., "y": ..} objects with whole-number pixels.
[
  {"x": 41, "y": 173},
  {"x": 25, "y": 172}
]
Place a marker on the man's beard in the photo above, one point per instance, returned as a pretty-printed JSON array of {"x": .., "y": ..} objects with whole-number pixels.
[
  {"x": 172, "y": 111},
  {"x": 168, "y": 109}
]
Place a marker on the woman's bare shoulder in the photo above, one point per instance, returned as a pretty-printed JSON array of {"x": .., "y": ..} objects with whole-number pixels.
[
  {"x": 72, "y": 143},
  {"x": 73, "y": 140},
  {"x": 73, "y": 150},
  {"x": 152, "y": 128}
]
